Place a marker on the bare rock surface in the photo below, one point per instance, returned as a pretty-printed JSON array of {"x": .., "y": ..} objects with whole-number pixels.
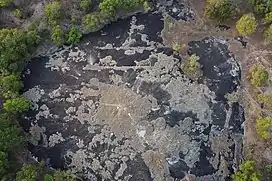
[{"x": 131, "y": 114}]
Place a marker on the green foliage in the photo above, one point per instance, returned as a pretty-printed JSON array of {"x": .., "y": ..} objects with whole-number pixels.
[
  {"x": 246, "y": 25},
  {"x": 220, "y": 10},
  {"x": 10, "y": 85},
  {"x": 112, "y": 6},
  {"x": 9, "y": 138},
  {"x": 4, "y": 3},
  {"x": 3, "y": 163},
  {"x": 74, "y": 35},
  {"x": 178, "y": 47},
  {"x": 15, "y": 46},
  {"x": 247, "y": 172},
  {"x": 263, "y": 126},
  {"x": 92, "y": 21},
  {"x": 147, "y": 6},
  {"x": 17, "y": 105},
  {"x": 192, "y": 67},
  {"x": 232, "y": 97},
  {"x": 261, "y": 6},
  {"x": 268, "y": 18},
  {"x": 48, "y": 177},
  {"x": 265, "y": 99},
  {"x": 268, "y": 34},
  {"x": 63, "y": 176},
  {"x": 18, "y": 13},
  {"x": 53, "y": 12},
  {"x": 29, "y": 172},
  {"x": 258, "y": 76},
  {"x": 58, "y": 35},
  {"x": 86, "y": 5}
]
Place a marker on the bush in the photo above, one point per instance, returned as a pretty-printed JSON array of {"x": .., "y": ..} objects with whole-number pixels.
[
  {"x": 258, "y": 76},
  {"x": 9, "y": 138},
  {"x": 57, "y": 35},
  {"x": 268, "y": 34},
  {"x": 246, "y": 25},
  {"x": 53, "y": 12},
  {"x": 10, "y": 85},
  {"x": 92, "y": 22},
  {"x": 48, "y": 177},
  {"x": 192, "y": 67},
  {"x": 29, "y": 172},
  {"x": 178, "y": 47},
  {"x": 232, "y": 97},
  {"x": 3, "y": 163},
  {"x": 220, "y": 10},
  {"x": 259, "y": 6},
  {"x": 17, "y": 13},
  {"x": 263, "y": 126},
  {"x": 17, "y": 105},
  {"x": 64, "y": 176},
  {"x": 265, "y": 99},
  {"x": 247, "y": 172},
  {"x": 4, "y": 3},
  {"x": 86, "y": 5},
  {"x": 74, "y": 35},
  {"x": 15, "y": 47},
  {"x": 268, "y": 18},
  {"x": 147, "y": 6}
]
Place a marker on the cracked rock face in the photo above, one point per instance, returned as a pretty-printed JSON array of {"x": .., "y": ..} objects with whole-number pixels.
[{"x": 117, "y": 107}]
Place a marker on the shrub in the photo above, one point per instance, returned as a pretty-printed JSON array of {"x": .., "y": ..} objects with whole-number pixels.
[
  {"x": 10, "y": 85},
  {"x": 220, "y": 10},
  {"x": 15, "y": 47},
  {"x": 192, "y": 67},
  {"x": 263, "y": 126},
  {"x": 29, "y": 172},
  {"x": 9, "y": 138},
  {"x": 17, "y": 105},
  {"x": 3, "y": 163},
  {"x": 268, "y": 18},
  {"x": 246, "y": 25},
  {"x": 64, "y": 176},
  {"x": 57, "y": 35},
  {"x": 147, "y": 6},
  {"x": 91, "y": 22},
  {"x": 4, "y": 3},
  {"x": 17, "y": 13},
  {"x": 265, "y": 99},
  {"x": 86, "y": 5},
  {"x": 258, "y": 76},
  {"x": 74, "y": 35},
  {"x": 247, "y": 172},
  {"x": 268, "y": 34},
  {"x": 232, "y": 97},
  {"x": 48, "y": 177},
  {"x": 259, "y": 6},
  {"x": 53, "y": 12},
  {"x": 178, "y": 47}
]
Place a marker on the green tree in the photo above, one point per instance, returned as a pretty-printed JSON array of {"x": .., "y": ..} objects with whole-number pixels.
[
  {"x": 15, "y": 46},
  {"x": 268, "y": 18},
  {"x": 258, "y": 76},
  {"x": 17, "y": 105},
  {"x": 74, "y": 35},
  {"x": 3, "y": 163},
  {"x": 220, "y": 10},
  {"x": 57, "y": 35},
  {"x": 63, "y": 176},
  {"x": 4, "y": 3},
  {"x": 91, "y": 22},
  {"x": 247, "y": 172},
  {"x": 265, "y": 99},
  {"x": 29, "y": 172},
  {"x": 259, "y": 6},
  {"x": 9, "y": 138},
  {"x": 263, "y": 126},
  {"x": 53, "y": 12},
  {"x": 10, "y": 85},
  {"x": 192, "y": 67},
  {"x": 86, "y": 5},
  {"x": 246, "y": 25},
  {"x": 268, "y": 34},
  {"x": 48, "y": 177}
]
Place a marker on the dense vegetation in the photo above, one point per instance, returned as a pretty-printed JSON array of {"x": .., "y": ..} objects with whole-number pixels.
[
  {"x": 246, "y": 25},
  {"x": 247, "y": 172},
  {"x": 192, "y": 67}
]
